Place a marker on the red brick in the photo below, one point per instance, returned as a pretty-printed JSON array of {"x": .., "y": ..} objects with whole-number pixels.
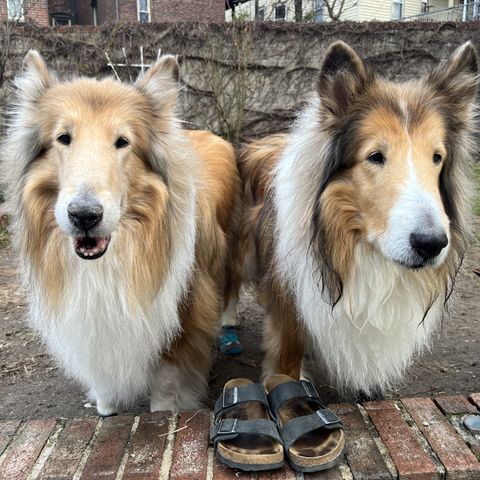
[
  {"x": 472, "y": 442},
  {"x": 284, "y": 473},
  {"x": 145, "y": 458},
  {"x": 332, "y": 474},
  {"x": 107, "y": 450},
  {"x": 380, "y": 405},
  {"x": 67, "y": 453},
  {"x": 25, "y": 449},
  {"x": 475, "y": 398},
  {"x": 7, "y": 430},
  {"x": 189, "y": 461},
  {"x": 455, "y": 405},
  {"x": 406, "y": 451},
  {"x": 364, "y": 458},
  {"x": 222, "y": 472},
  {"x": 452, "y": 451}
]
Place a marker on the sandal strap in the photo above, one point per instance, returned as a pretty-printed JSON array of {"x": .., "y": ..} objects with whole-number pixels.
[
  {"x": 288, "y": 390},
  {"x": 252, "y": 392},
  {"x": 230, "y": 428},
  {"x": 296, "y": 428}
]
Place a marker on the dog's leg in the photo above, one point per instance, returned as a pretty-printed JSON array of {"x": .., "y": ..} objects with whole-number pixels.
[
  {"x": 180, "y": 380},
  {"x": 175, "y": 388},
  {"x": 229, "y": 341},
  {"x": 283, "y": 342},
  {"x": 105, "y": 407},
  {"x": 229, "y": 315}
]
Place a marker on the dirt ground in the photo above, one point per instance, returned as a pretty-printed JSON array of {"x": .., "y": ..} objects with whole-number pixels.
[{"x": 31, "y": 385}]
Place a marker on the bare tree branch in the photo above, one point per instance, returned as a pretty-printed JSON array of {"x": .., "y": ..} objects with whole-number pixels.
[{"x": 7, "y": 31}]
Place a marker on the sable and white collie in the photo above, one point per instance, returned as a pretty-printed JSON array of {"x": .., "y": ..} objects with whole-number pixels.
[
  {"x": 124, "y": 224},
  {"x": 360, "y": 217}
]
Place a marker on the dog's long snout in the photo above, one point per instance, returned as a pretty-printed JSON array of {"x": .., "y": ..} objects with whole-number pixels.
[
  {"x": 428, "y": 245},
  {"x": 85, "y": 213}
]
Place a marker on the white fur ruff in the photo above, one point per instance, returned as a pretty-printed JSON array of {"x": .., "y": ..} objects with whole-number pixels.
[
  {"x": 369, "y": 337},
  {"x": 109, "y": 345}
]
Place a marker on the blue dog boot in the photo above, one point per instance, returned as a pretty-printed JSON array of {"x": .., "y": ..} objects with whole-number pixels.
[{"x": 228, "y": 341}]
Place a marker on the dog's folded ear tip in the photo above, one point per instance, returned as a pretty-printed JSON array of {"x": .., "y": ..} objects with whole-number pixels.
[
  {"x": 32, "y": 56},
  {"x": 466, "y": 58},
  {"x": 169, "y": 62}
]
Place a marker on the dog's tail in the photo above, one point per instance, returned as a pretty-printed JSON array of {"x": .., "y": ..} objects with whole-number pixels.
[{"x": 256, "y": 164}]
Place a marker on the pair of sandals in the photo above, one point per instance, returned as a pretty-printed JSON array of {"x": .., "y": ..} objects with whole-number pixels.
[{"x": 257, "y": 425}]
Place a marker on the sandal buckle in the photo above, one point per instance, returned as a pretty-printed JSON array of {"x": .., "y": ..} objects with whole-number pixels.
[
  {"x": 227, "y": 426},
  {"x": 327, "y": 417},
  {"x": 231, "y": 392},
  {"x": 310, "y": 389}
]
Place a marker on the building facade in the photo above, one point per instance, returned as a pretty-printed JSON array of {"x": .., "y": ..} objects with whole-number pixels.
[
  {"x": 25, "y": 10},
  {"x": 357, "y": 10},
  {"x": 96, "y": 12}
]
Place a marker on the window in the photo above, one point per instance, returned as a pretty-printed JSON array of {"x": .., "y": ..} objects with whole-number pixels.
[
  {"x": 280, "y": 11},
  {"x": 61, "y": 20},
  {"x": 397, "y": 9},
  {"x": 15, "y": 9},
  {"x": 318, "y": 10},
  {"x": 143, "y": 10},
  {"x": 425, "y": 7},
  {"x": 260, "y": 14}
]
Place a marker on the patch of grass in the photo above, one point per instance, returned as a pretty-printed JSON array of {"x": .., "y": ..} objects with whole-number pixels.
[{"x": 4, "y": 238}]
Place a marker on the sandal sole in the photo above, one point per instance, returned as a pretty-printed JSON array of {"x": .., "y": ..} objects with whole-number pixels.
[
  {"x": 248, "y": 467},
  {"x": 319, "y": 468}
]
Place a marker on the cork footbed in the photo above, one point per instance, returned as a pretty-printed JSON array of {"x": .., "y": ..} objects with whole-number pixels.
[
  {"x": 317, "y": 448},
  {"x": 249, "y": 449}
]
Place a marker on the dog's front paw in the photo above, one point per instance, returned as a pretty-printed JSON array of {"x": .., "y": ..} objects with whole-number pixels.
[
  {"x": 106, "y": 409},
  {"x": 164, "y": 405}
]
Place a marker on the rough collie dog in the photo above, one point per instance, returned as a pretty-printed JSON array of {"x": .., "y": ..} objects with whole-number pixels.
[
  {"x": 124, "y": 224},
  {"x": 360, "y": 217}
]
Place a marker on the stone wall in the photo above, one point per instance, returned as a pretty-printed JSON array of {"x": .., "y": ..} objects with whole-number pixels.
[{"x": 243, "y": 80}]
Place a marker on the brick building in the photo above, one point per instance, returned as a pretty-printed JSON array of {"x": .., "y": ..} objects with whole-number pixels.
[
  {"x": 24, "y": 10},
  {"x": 96, "y": 12}
]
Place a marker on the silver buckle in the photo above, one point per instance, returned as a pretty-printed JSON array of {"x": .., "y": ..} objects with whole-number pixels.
[
  {"x": 234, "y": 393},
  {"x": 327, "y": 417},
  {"x": 310, "y": 389},
  {"x": 227, "y": 426}
]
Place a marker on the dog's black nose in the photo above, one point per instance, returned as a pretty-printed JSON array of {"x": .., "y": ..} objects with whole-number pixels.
[
  {"x": 428, "y": 245},
  {"x": 85, "y": 213}
]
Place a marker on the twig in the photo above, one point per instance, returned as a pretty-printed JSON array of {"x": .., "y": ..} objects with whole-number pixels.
[{"x": 181, "y": 428}]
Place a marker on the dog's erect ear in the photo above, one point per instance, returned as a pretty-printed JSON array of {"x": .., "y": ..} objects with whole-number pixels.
[
  {"x": 160, "y": 82},
  {"x": 458, "y": 78},
  {"x": 36, "y": 77},
  {"x": 343, "y": 76}
]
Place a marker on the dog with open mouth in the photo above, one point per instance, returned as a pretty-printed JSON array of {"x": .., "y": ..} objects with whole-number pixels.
[
  {"x": 126, "y": 226},
  {"x": 359, "y": 218}
]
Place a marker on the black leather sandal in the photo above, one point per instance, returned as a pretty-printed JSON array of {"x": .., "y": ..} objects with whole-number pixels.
[
  {"x": 312, "y": 434},
  {"x": 243, "y": 434}
]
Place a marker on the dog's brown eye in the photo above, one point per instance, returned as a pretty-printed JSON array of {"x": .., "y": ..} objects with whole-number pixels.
[
  {"x": 437, "y": 158},
  {"x": 376, "y": 157},
  {"x": 64, "y": 139},
  {"x": 121, "y": 142}
]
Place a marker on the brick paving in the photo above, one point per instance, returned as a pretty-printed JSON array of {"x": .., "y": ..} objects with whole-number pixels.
[{"x": 413, "y": 438}]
